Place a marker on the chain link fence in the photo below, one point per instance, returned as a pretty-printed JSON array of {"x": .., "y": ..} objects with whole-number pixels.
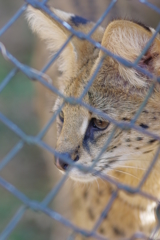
[{"x": 41, "y": 77}]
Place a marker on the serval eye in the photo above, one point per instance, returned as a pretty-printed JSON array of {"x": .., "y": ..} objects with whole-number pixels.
[
  {"x": 99, "y": 124},
  {"x": 61, "y": 116}
]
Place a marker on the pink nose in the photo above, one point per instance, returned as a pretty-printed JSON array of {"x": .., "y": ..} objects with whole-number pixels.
[{"x": 62, "y": 165}]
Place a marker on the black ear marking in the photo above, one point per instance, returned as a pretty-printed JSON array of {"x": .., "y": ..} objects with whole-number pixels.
[
  {"x": 118, "y": 232},
  {"x": 142, "y": 25},
  {"x": 76, "y": 20},
  {"x": 147, "y": 59}
]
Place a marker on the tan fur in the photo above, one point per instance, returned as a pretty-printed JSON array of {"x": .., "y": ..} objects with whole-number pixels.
[{"x": 118, "y": 91}]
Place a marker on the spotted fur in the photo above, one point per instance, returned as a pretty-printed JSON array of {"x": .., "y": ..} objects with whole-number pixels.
[{"x": 117, "y": 91}]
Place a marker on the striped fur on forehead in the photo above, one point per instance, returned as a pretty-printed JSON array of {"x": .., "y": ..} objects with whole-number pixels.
[{"x": 113, "y": 104}]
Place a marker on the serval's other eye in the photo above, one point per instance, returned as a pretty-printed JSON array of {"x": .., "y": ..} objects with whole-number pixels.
[
  {"x": 99, "y": 124},
  {"x": 61, "y": 116}
]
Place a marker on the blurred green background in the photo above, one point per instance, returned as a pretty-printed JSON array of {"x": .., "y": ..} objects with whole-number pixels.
[
  {"x": 30, "y": 170},
  {"x": 27, "y": 170}
]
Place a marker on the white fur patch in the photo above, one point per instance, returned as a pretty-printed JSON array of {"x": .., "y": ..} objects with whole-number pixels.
[
  {"x": 56, "y": 105},
  {"x": 148, "y": 217},
  {"x": 84, "y": 126}
]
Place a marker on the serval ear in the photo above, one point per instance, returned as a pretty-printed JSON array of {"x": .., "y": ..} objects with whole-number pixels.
[
  {"x": 55, "y": 34},
  {"x": 127, "y": 39}
]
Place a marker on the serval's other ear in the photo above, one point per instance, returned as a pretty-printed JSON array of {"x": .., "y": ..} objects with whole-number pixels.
[
  {"x": 127, "y": 39},
  {"x": 55, "y": 34}
]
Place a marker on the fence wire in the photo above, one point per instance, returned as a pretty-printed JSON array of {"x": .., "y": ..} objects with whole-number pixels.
[{"x": 41, "y": 77}]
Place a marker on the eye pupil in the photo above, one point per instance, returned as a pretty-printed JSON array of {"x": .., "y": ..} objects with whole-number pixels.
[
  {"x": 61, "y": 116},
  {"x": 99, "y": 124}
]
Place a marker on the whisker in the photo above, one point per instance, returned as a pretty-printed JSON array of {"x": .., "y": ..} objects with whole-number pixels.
[
  {"x": 96, "y": 173},
  {"x": 88, "y": 186},
  {"x": 112, "y": 176},
  {"x": 132, "y": 167},
  {"x": 103, "y": 180},
  {"x": 97, "y": 183},
  {"x": 125, "y": 173},
  {"x": 123, "y": 160}
]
